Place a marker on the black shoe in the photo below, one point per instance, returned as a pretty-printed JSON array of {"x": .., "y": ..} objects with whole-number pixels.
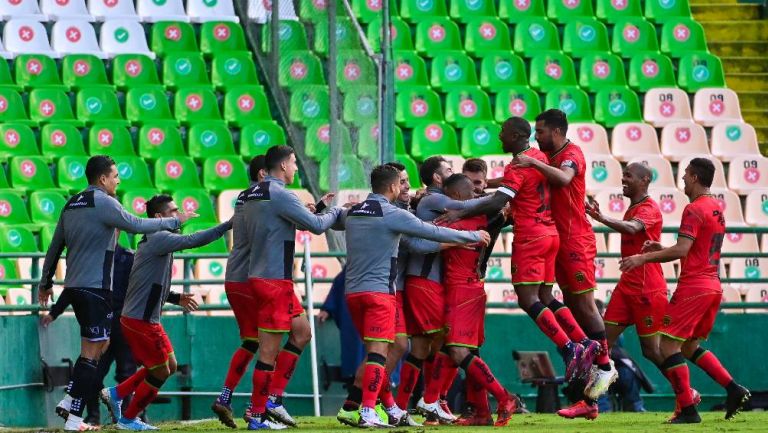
[
  {"x": 737, "y": 397},
  {"x": 688, "y": 415}
]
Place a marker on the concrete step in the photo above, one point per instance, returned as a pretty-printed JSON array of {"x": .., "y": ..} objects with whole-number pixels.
[
  {"x": 736, "y": 30},
  {"x": 752, "y": 100},
  {"x": 723, "y": 12},
  {"x": 747, "y": 81},
  {"x": 746, "y": 48},
  {"x": 745, "y": 64},
  {"x": 755, "y": 117}
]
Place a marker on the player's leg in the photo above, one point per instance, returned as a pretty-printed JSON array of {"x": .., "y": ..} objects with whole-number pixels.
[
  {"x": 563, "y": 315},
  {"x": 285, "y": 366},
  {"x": 676, "y": 371}
]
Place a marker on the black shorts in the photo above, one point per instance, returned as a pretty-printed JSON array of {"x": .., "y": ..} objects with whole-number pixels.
[{"x": 93, "y": 310}]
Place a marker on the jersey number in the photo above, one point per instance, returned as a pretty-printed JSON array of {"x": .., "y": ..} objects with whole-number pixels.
[{"x": 715, "y": 247}]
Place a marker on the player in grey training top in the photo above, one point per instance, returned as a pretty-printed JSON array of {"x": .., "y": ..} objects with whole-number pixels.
[{"x": 88, "y": 229}]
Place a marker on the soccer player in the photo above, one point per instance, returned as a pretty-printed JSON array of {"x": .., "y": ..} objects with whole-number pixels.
[
  {"x": 640, "y": 297},
  {"x": 575, "y": 264},
  {"x": 86, "y": 228},
  {"x": 535, "y": 241},
  {"x": 477, "y": 171},
  {"x": 373, "y": 231},
  {"x": 691, "y": 312},
  {"x": 272, "y": 214},
  {"x": 149, "y": 287}
]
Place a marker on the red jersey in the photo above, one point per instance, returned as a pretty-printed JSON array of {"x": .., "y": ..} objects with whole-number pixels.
[
  {"x": 568, "y": 201},
  {"x": 529, "y": 192},
  {"x": 649, "y": 277},
  {"x": 461, "y": 265},
  {"x": 704, "y": 223}
]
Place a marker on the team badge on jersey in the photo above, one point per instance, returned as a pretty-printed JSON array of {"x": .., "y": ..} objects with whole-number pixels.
[{"x": 580, "y": 276}]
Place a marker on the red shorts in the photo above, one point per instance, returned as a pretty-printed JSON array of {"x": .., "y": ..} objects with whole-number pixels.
[
  {"x": 575, "y": 265},
  {"x": 373, "y": 315},
  {"x": 533, "y": 260},
  {"x": 400, "y": 328},
  {"x": 644, "y": 310},
  {"x": 277, "y": 304},
  {"x": 465, "y": 314},
  {"x": 424, "y": 306},
  {"x": 245, "y": 307},
  {"x": 692, "y": 311},
  {"x": 149, "y": 343}
]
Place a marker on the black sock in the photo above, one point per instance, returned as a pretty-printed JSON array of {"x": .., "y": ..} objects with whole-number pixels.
[
  {"x": 354, "y": 398},
  {"x": 732, "y": 387},
  {"x": 83, "y": 379}
]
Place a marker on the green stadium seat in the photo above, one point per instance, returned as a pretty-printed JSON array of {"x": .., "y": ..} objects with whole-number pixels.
[
  {"x": 561, "y": 11},
  {"x": 99, "y": 104},
  {"x": 464, "y": 11},
  {"x": 198, "y": 201},
  {"x": 346, "y": 37},
  {"x": 8, "y": 271},
  {"x": 257, "y": 137},
  {"x": 437, "y": 34},
  {"x": 12, "y": 108},
  {"x": 583, "y": 36},
  {"x": 415, "y": 105},
  {"x": 61, "y": 140},
  {"x": 572, "y": 101},
  {"x": 221, "y": 37},
  {"x": 134, "y": 70},
  {"x": 480, "y": 138},
  {"x": 410, "y": 69},
  {"x": 651, "y": 70},
  {"x": 158, "y": 139},
  {"x": 369, "y": 10},
  {"x": 12, "y": 209},
  {"x": 71, "y": 173},
  {"x": 500, "y": 70},
  {"x": 536, "y": 35},
  {"x": 314, "y": 11},
  {"x": 467, "y": 105},
  {"x": 194, "y": 105},
  {"x": 698, "y": 70},
  {"x": 133, "y": 173},
  {"x": 49, "y": 105},
  {"x": 433, "y": 138},
  {"x": 411, "y": 168},
  {"x": 368, "y": 141},
  {"x": 209, "y": 138},
  {"x": 300, "y": 68},
  {"x": 354, "y": 68},
  {"x": 401, "y": 37},
  {"x": 37, "y": 71},
  {"x": 243, "y": 105},
  {"x": 6, "y": 81},
  {"x": 185, "y": 70},
  {"x": 518, "y": 101},
  {"x": 317, "y": 140},
  {"x": 173, "y": 37},
  {"x": 599, "y": 70},
  {"x": 135, "y": 200},
  {"x": 30, "y": 173},
  {"x": 224, "y": 172},
  {"x": 216, "y": 247},
  {"x": 486, "y": 35},
  {"x": 110, "y": 138},
  {"x": 17, "y": 239},
  {"x": 233, "y": 69},
  {"x": 361, "y": 105},
  {"x": 79, "y": 71},
  {"x": 611, "y": 11},
  {"x": 4, "y": 181},
  {"x": 292, "y": 37},
  {"x": 659, "y": 11},
  {"x": 451, "y": 69},
  {"x": 415, "y": 11},
  {"x": 45, "y": 206},
  {"x": 309, "y": 104},
  {"x": 551, "y": 70},
  {"x": 617, "y": 105},
  {"x": 633, "y": 36},
  {"x": 147, "y": 104},
  {"x": 173, "y": 172},
  {"x": 17, "y": 139},
  {"x": 350, "y": 174},
  {"x": 681, "y": 36},
  {"x": 514, "y": 11}
]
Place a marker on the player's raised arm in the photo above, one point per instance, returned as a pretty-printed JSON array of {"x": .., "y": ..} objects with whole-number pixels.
[
  {"x": 116, "y": 216},
  {"x": 168, "y": 242},
  {"x": 630, "y": 227},
  {"x": 290, "y": 207}
]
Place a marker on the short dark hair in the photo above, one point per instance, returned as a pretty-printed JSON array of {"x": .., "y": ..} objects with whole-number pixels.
[
  {"x": 397, "y": 165},
  {"x": 454, "y": 180},
  {"x": 554, "y": 119},
  {"x": 704, "y": 170},
  {"x": 157, "y": 204},
  {"x": 382, "y": 176},
  {"x": 258, "y": 163},
  {"x": 97, "y": 166},
  {"x": 428, "y": 169},
  {"x": 519, "y": 125},
  {"x": 475, "y": 165},
  {"x": 276, "y": 155}
]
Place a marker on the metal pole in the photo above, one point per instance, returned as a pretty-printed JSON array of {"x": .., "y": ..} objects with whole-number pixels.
[
  {"x": 333, "y": 93},
  {"x": 311, "y": 317},
  {"x": 274, "y": 52},
  {"x": 386, "y": 114}
]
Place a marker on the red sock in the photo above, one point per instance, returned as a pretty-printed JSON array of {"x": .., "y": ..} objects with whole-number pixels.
[
  {"x": 128, "y": 386},
  {"x": 477, "y": 396},
  {"x": 450, "y": 372},
  {"x": 145, "y": 393},
  {"x": 604, "y": 356},
  {"x": 712, "y": 366},
  {"x": 549, "y": 326},
  {"x": 568, "y": 323},
  {"x": 409, "y": 377},
  {"x": 676, "y": 371},
  {"x": 262, "y": 376},
  {"x": 373, "y": 379},
  {"x": 481, "y": 373},
  {"x": 426, "y": 371},
  {"x": 385, "y": 393},
  {"x": 434, "y": 384},
  {"x": 284, "y": 368},
  {"x": 237, "y": 366}
]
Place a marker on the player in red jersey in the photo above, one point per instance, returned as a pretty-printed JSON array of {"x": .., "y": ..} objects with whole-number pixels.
[
  {"x": 692, "y": 310},
  {"x": 535, "y": 243}
]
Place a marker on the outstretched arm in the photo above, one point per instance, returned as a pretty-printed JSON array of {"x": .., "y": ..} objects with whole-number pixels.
[
  {"x": 558, "y": 176},
  {"x": 486, "y": 206},
  {"x": 675, "y": 252},
  {"x": 290, "y": 207},
  {"x": 168, "y": 242},
  {"x": 630, "y": 227}
]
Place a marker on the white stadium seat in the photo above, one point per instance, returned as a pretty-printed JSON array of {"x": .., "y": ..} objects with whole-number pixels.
[
  {"x": 24, "y": 36},
  {"x": 65, "y": 9},
  {"x": 683, "y": 139},
  {"x": 200, "y": 11},
  {"x": 21, "y": 10},
  {"x": 715, "y": 105},
  {"x": 632, "y": 139},
  {"x": 151, "y": 11},
  {"x": 103, "y": 10},
  {"x": 666, "y": 105},
  {"x": 75, "y": 37},
  {"x": 124, "y": 37}
]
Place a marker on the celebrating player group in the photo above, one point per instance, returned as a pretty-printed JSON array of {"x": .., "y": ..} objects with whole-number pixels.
[{"x": 414, "y": 283}]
